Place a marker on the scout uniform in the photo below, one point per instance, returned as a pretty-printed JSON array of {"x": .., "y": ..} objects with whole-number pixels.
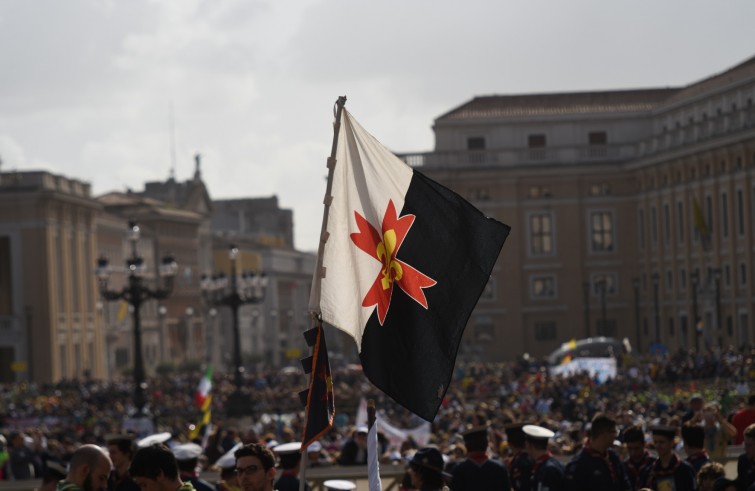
[{"x": 547, "y": 472}]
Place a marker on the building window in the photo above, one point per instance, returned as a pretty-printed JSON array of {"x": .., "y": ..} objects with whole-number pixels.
[
  {"x": 545, "y": 331},
  {"x": 536, "y": 144},
  {"x": 484, "y": 329},
  {"x": 541, "y": 234},
  {"x": 539, "y": 192},
  {"x": 606, "y": 327},
  {"x": 727, "y": 276},
  {"x": 740, "y": 213},
  {"x": 666, "y": 224},
  {"x": 641, "y": 227},
  {"x": 476, "y": 143},
  {"x": 601, "y": 231},
  {"x": 536, "y": 141},
  {"x": 653, "y": 227},
  {"x": 680, "y": 222},
  {"x": 543, "y": 287},
  {"x": 671, "y": 327},
  {"x": 683, "y": 279},
  {"x": 724, "y": 215},
  {"x": 742, "y": 274},
  {"x": 121, "y": 357},
  {"x": 669, "y": 280},
  {"x": 597, "y": 138},
  {"x": 709, "y": 212},
  {"x": 599, "y": 280},
  {"x": 479, "y": 194},
  {"x": 600, "y": 189}
]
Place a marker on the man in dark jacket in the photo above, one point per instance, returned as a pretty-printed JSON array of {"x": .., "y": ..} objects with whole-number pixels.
[
  {"x": 477, "y": 472},
  {"x": 597, "y": 466}
]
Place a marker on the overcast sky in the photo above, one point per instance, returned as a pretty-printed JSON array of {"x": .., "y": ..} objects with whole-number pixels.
[{"x": 87, "y": 86}]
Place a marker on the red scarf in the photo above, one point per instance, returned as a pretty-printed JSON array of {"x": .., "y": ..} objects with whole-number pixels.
[
  {"x": 605, "y": 457},
  {"x": 660, "y": 471},
  {"x": 540, "y": 461},
  {"x": 635, "y": 469},
  {"x": 513, "y": 459},
  {"x": 478, "y": 458}
]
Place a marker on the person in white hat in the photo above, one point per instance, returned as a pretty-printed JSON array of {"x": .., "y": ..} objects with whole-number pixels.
[
  {"x": 315, "y": 457},
  {"x": 339, "y": 485},
  {"x": 187, "y": 457},
  {"x": 289, "y": 456},
  {"x": 547, "y": 472},
  {"x": 354, "y": 450},
  {"x": 226, "y": 465}
]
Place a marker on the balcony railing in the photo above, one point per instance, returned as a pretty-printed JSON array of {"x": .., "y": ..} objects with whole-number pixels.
[{"x": 513, "y": 157}]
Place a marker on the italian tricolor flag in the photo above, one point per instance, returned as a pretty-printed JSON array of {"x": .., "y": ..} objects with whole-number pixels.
[{"x": 202, "y": 397}]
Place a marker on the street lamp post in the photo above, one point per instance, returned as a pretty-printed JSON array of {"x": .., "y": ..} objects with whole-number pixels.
[
  {"x": 162, "y": 311},
  {"x": 695, "y": 278},
  {"x": 717, "y": 279},
  {"x": 657, "y": 319},
  {"x": 235, "y": 291},
  {"x": 136, "y": 293},
  {"x": 636, "y": 286},
  {"x": 602, "y": 286},
  {"x": 586, "y": 295}
]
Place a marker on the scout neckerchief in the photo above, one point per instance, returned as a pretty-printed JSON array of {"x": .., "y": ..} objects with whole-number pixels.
[
  {"x": 478, "y": 457},
  {"x": 635, "y": 468},
  {"x": 660, "y": 471},
  {"x": 540, "y": 461},
  {"x": 605, "y": 457}
]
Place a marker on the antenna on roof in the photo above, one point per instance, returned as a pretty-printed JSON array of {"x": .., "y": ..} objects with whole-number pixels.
[{"x": 172, "y": 174}]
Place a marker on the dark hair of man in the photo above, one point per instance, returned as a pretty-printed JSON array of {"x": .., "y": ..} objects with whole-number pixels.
[
  {"x": 431, "y": 479},
  {"x": 150, "y": 461},
  {"x": 634, "y": 434},
  {"x": 751, "y": 400},
  {"x": 124, "y": 445},
  {"x": 515, "y": 438},
  {"x": 187, "y": 465},
  {"x": 693, "y": 435},
  {"x": 477, "y": 442},
  {"x": 266, "y": 456},
  {"x": 90, "y": 455},
  {"x": 601, "y": 424}
]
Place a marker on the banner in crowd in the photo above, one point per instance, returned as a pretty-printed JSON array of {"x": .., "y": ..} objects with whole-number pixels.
[{"x": 601, "y": 368}]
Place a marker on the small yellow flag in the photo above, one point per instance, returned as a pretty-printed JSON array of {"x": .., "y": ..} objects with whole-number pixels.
[{"x": 122, "y": 310}]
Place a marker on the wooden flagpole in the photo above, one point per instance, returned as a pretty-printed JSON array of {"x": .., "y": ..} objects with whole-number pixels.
[{"x": 314, "y": 301}]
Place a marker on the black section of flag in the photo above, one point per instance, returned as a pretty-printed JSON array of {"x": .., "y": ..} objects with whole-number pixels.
[
  {"x": 411, "y": 356},
  {"x": 320, "y": 408}
]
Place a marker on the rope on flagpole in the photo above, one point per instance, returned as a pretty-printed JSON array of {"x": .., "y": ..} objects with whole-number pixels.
[{"x": 314, "y": 301}]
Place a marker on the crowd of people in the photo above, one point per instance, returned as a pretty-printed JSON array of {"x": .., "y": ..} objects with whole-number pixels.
[{"x": 43, "y": 425}]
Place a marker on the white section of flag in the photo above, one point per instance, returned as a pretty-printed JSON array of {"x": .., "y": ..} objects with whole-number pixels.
[{"x": 366, "y": 176}]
